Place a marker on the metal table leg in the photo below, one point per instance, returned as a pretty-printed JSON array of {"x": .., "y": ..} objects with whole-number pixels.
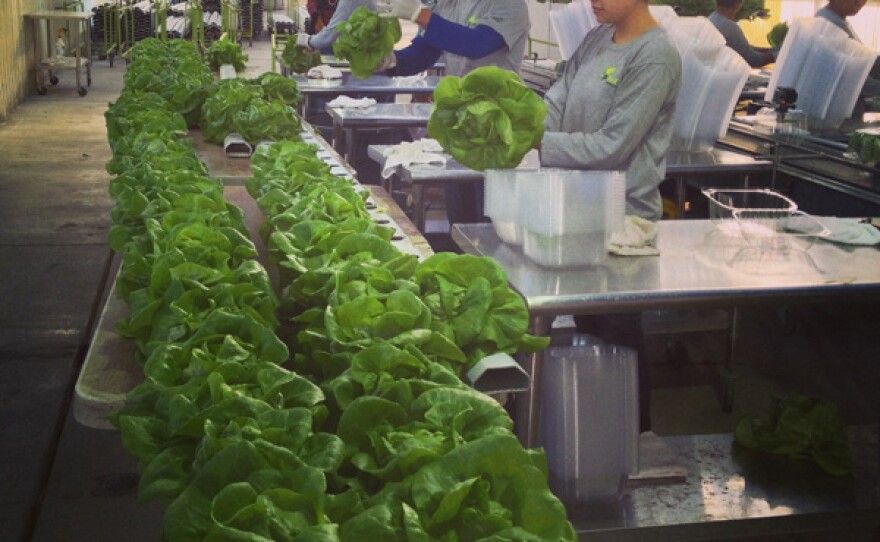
[
  {"x": 728, "y": 375},
  {"x": 338, "y": 138},
  {"x": 418, "y": 193},
  {"x": 528, "y": 403}
]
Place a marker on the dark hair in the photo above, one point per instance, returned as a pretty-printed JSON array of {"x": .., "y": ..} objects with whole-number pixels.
[{"x": 727, "y": 4}]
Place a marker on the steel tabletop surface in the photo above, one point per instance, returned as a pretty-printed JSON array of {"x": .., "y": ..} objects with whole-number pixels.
[
  {"x": 330, "y": 60},
  {"x": 731, "y": 493},
  {"x": 348, "y": 84},
  {"x": 701, "y": 264},
  {"x": 680, "y": 166},
  {"x": 346, "y": 120}
]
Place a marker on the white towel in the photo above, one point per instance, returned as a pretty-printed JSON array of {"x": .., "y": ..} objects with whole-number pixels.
[
  {"x": 408, "y": 80},
  {"x": 636, "y": 239},
  {"x": 324, "y": 72},
  {"x": 847, "y": 231},
  {"x": 352, "y": 103},
  {"x": 423, "y": 151}
]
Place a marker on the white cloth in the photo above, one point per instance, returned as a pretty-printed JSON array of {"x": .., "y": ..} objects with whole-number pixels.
[
  {"x": 847, "y": 231},
  {"x": 424, "y": 151},
  {"x": 407, "y": 80},
  {"x": 351, "y": 103},
  {"x": 636, "y": 239},
  {"x": 324, "y": 72}
]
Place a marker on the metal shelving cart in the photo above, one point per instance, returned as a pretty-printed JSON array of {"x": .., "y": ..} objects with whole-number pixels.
[{"x": 78, "y": 24}]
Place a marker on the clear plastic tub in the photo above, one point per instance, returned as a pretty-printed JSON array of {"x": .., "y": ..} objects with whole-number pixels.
[
  {"x": 723, "y": 202},
  {"x": 779, "y": 230},
  {"x": 502, "y": 194},
  {"x": 567, "y": 215},
  {"x": 711, "y": 85},
  {"x": 694, "y": 34},
  {"x": 826, "y": 67},
  {"x": 589, "y": 425}
]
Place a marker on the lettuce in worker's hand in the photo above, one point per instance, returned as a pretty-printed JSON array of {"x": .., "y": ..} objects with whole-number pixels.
[
  {"x": 777, "y": 35},
  {"x": 364, "y": 40},
  {"x": 299, "y": 59},
  {"x": 487, "y": 119}
]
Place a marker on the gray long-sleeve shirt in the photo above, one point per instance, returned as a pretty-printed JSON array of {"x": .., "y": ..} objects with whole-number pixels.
[
  {"x": 510, "y": 18},
  {"x": 613, "y": 109},
  {"x": 323, "y": 40},
  {"x": 736, "y": 40}
]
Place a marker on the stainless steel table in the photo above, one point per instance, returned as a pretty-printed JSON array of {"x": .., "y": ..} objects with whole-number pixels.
[
  {"x": 79, "y": 44},
  {"x": 696, "y": 167},
  {"x": 731, "y": 494},
  {"x": 354, "y": 87},
  {"x": 347, "y": 121},
  {"x": 700, "y": 266}
]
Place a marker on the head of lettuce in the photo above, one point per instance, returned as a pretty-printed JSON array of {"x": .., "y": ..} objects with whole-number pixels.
[
  {"x": 364, "y": 40},
  {"x": 487, "y": 119}
]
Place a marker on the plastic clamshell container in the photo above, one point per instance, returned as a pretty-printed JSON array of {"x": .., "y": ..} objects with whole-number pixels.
[
  {"x": 778, "y": 230},
  {"x": 589, "y": 426},
  {"x": 567, "y": 215},
  {"x": 694, "y": 34},
  {"x": 826, "y": 67},
  {"x": 723, "y": 202},
  {"x": 710, "y": 87}
]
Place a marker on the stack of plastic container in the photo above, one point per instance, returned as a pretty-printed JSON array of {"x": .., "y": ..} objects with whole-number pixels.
[
  {"x": 712, "y": 78},
  {"x": 826, "y": 67},
  {"x": 561, "y": 217},
  {"x": 589, "y": 423},
  {"x": 571, "y": 23}
]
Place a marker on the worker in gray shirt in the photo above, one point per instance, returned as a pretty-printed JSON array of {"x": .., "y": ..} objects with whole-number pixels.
[
  {"x": 836, "y": 12},
  {"x": 323, "y": 40},
  {"x": 614, "y": 105},
  {"x": 613, "y": 108},
  {"x": 467, "y": 34},
  {"x": 724, "y": 19}
]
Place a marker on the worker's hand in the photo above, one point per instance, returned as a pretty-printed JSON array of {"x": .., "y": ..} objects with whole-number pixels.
[
  {"x": 302, "y": 40},
  {"x": 387, "y": 63},
  {"x": 402, "y": 9}
]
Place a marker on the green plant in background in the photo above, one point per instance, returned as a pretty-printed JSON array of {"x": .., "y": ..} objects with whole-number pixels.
[
  {"x": 802, "y": 428},
  {"x": 364, "y": 40},
  {"x": 299, "y": 59},
  {"x": 226, "y": 52},
  {"x": 866, "y": 144},
  {"x": 777, "y": 35},
  {"x": 487, "y": 119},
  {"x": 692, "y": 8}
]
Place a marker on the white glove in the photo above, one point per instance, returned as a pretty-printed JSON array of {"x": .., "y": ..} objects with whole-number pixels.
[
  {"x": 302, "y": 40},
  {"x": 402, "y": 9},
  {"x": 387, "y": 63}
]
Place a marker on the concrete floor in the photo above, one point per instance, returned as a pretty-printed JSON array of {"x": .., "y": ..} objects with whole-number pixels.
[{"x": 63, "y": 481}]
